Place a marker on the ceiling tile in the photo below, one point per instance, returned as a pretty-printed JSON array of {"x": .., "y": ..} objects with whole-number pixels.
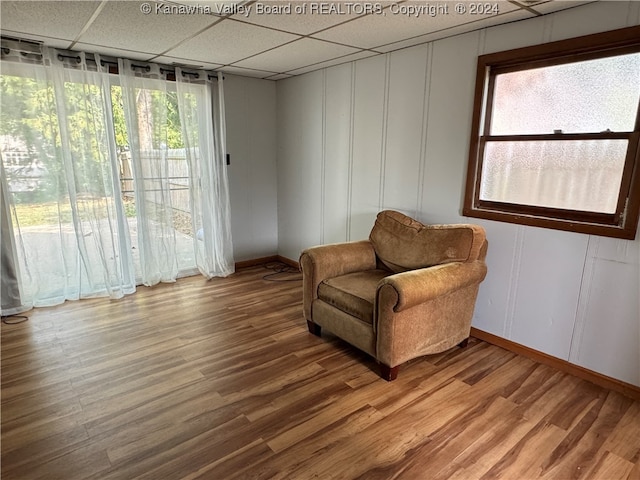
[
  {"x": 459, "y": 29},
  {"x": 296, "y": 55},
  {"x": 247, "y": 72},
  {"x": 396, "y": 23},
  {"x": 280, "y": 76},
  {"x": 221, "y": 8},
  {"x": 113, "y": 52},
  {"x": 263, "y": 44},
  {"x": 332, "y": 62},
  {"x": 230, "y": 41},
  {"x": 302, "y": 17},
  {"x": 59, "y": 20},
  {"x": 181, "y": 62},
  {"x": 528, "y": 3},
  {"x": 555, "y": 6},
  {"x": 122, "y": 24}
]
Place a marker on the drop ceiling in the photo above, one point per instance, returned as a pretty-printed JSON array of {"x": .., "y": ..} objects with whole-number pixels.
[{"x": 265, "y": 39}]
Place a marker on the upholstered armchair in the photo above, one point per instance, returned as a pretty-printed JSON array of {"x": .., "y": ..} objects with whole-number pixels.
[{"x": 407, "y": 291}]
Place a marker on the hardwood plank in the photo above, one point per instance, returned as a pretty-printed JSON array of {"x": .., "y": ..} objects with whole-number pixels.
[
  {"x": 566, "y": 461},
  {"x": 446, "y": 451},
  {"x": 609, "y": 465},
  {"x": 623, "y": 440},
  {"x": 523, "y": 459},
  {"x": 220, "y": 379},
  {"x": 83, "y": 461}
]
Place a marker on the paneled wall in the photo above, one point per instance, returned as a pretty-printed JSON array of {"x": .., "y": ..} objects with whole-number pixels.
[
  {"x": 250, "y": 106},
  {"x": 392, "y": 131}
]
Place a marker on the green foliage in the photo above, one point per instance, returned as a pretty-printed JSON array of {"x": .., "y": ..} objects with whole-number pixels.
[
  {"x": 129, "y": 207},
  {"x": 25, "y": 112},
  {"x": 29, "y": 115},
  {"x": 173, "y": 128},
  {"x": 159, "y": 119},
  {"x": 43, "y": 214},
  {"x": 119, "y": 124}
]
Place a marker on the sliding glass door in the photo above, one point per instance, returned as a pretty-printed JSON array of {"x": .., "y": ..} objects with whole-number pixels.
[{"x": 100, "y": 189}]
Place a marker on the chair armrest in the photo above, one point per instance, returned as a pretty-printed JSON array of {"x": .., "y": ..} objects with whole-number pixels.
[
  {"x": 327, "y": 261},
  {"x": 418, "y": 286},
  {"x": 425, "y": 311}
]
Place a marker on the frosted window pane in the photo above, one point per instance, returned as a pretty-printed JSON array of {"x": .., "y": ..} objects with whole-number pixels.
[
  {"x": 574, "y": 175},
  {"x": 590, "y": 96}
]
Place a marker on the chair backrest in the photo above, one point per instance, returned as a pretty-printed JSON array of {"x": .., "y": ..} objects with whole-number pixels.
[{"x": 402, "y": 243}]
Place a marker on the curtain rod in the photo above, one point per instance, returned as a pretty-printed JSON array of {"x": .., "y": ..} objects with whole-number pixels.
[
  {"x": 169, "y": 70},
  {"x": 146, "y": 68}
]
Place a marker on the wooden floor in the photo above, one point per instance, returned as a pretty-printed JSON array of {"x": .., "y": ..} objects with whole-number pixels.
[{"x": 221, "y": 380}]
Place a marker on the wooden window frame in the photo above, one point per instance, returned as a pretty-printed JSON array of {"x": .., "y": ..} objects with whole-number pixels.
[{"x": 621, "y": 224}]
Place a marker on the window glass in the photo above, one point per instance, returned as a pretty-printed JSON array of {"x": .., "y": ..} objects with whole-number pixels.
[
  {"x": 575, "y": 175},
  {"x": 592, "y": 96}
]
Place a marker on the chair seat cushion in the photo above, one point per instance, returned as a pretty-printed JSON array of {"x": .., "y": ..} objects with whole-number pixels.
[{"x": 353, "y": 293}]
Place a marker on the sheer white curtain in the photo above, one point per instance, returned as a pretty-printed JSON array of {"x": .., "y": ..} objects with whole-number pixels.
[
  {"x": 162, "y": 166},
  {"x": 145, "y": 95},
  {"x": 201, "y": 106},
  {"x": 61, "y": 176},
  {"x": 67, "y": 230},
  {"x": 10, "y": 298},
  {"x": 90, "y": 165}
]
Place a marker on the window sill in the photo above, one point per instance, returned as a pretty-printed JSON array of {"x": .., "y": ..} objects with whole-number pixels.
[{"x": 626, "y": 232}]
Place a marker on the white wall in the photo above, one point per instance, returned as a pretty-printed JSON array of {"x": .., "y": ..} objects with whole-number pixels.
[
  {"x": 392, "y": 131},
  {"x": 251, "y": 140}
]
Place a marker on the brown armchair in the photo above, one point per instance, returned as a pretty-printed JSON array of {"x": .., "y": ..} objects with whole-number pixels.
[{"x": 408, "y": 291}]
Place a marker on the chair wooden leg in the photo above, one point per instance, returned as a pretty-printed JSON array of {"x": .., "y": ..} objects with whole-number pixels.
[
  {"x": 314, "y": 328},
  {"x": 389, "y": 373},
  {"x": 464, "y": 343}
]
